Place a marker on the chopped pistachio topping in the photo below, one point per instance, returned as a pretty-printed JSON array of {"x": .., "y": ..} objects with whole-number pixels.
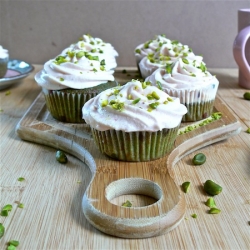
[
  {"x": 174, "y": 42},
  {"x": 185, "y": 60},
  {"x": 154, "y": 105},
  {"x": 60, "y": 59},
  {"x": 159, "y": 85},
  {"x": 61, "y": 79},
  {"x": 104, "y": 103},
  {"x": 169, "y": 68},
  {"x": 14, "y": 243},
  {"x": 129, "y": 96},
  {"x": 102, "y": 68},
  {"x": 20, "y": 205},
  {"x": 21, "y": 179},
  {"x": 185, "y": 186},
  {"x": 170, "y": 99},
  {"x": 80, "y": 54},
  {"x": 2, "y": 229},
  {"x": 127, "y": 204},
  {"x": 138, "y": 51},
  {"x": 202, "y": 67},
  {"x": 155, "y": 95},
  {"x": 248, "y": 130},
  {"x": 214, "y": 210},
  {"x": 210, "y": 202},
  {"x": 102, "y": 62},
  {"x": 136, "y": 100},
  {"x": 194, "y": 216}
]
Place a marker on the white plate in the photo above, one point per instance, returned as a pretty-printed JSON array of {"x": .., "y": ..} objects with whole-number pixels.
[{"x": 17, "y": 70}]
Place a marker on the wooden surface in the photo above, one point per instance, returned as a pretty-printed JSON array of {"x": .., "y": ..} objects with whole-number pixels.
[{"x": 52, "y": 216}]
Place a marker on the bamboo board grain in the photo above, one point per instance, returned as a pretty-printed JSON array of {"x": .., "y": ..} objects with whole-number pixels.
[{"x": 111, "y": 178}]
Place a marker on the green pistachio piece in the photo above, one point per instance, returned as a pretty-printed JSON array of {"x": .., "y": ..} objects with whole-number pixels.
[
  {"x": 185, "y": 186},
  {"x": 136, "y": 100},
  {"x": 212, "y": 188},
  {"x": 199, "y": 159},
  {"x": 214, "y": 210},
  {"x": 4, "y": 213},
  {"x": 210, "y": 202},
  {"x": 138, "y": 51},
  {"x": 170, "y": 99},
  {"x": 159, "y": 85},
  {"x": 194, "y": 216},
  {"x": 7, "y": 207},
  {"x": 155, "y": 95},
  {"x": 14, "y": 243},
  {"x": 185, "y": 60},
  {"x": 248, "y": 130},
  {"x": 104, "y": 103},
  {"x": 20, "y": 205},
  {"x": 102, "y": 62},
  {"x": 21, "y": 179},
  {"x": 80, "y": 54},
  {"x": 61, "y": 157},
  {"x": 127, "y": 204},
  {"x": 2, "y": 229},
  {"x": 247, "y": 96},
  {"x": 11, "y": 247},
  {"x": 154, "y": 105}
]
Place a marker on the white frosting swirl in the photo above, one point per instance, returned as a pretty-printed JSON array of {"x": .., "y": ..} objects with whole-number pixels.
[
  {"x": 86, "y": 64},
  {"x": 3, "y": 53},
  {"x": 185, "y": 75},
  {"x": 150, "y": 47},
  {"x": 132, "y": 107},
  {"x": 168, "y": 53}
]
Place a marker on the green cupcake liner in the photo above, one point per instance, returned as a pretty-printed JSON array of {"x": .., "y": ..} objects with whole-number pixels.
[
  {"x": 135, "y": 146},
  {"x": 198, "y": 111},
  {"x": 66, "y": 105}
]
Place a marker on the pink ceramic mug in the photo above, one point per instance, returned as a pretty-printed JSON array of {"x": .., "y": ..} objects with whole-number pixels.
[{"x": 241, "y": 47}]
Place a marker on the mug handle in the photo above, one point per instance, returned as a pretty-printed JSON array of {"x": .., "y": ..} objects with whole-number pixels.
[{"x": 239, "y": 51}]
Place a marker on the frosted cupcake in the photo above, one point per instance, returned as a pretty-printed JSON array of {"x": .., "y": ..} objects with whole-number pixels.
[
  {"x": 190, "y": 81},
  {"x": 4, "y": 59},
  {"x": 150, "y": 47},
  {"x": 79, "y": 73},
  {"x": 168, "y": 53},
  {"x": 134, "y": 122}
]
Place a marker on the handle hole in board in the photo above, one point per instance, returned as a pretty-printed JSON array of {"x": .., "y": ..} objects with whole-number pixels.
[{"x": 140, "y": 192}]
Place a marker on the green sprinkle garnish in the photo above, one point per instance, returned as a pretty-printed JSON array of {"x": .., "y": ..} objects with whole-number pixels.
[
  {"x": 136, "y": 101},
  {"x": 93, "y": 51},
  {"x": 169, "y": 68},
  {"x": 127, "y": 204},
  {"x": 129, "y": 96},
  {"x": 20, "y": 205},
  {"x": 118, "y": 106},
  {"x": 175, "y": 42},
  {"x": 60, "y": 59},
  {"x": 155, "y": 95},
  {"x": 4, "y": 213},
  {"x": 80, "y": 54},
  {"x": 7, "y": 92},
  {"x": 248, "y": 130},
  {"x": 159, "y": 85},
  {"x": 138, "y": 51},
  {"x": 102, "y": 68},
  {"x": 203, "y": 67},
  {"x": 92, "y": 43},
  {"x": 104, "y": 103},
  {"x": 7, "y": 207},
  {"x": 185, "y": 186},
  {"x": 102, "y": 62},
  {"x": 214, "y": 210},
  {"x": 14, "y": 243},
  {"x": 154, "y": 105},
  {"x": 61, "y": 79},
  {"x": 150, "y": 97},
  {"x": 21, "y": 179},
  {"x": 71, "y": 54},
  {"x": 170, "y": 99},
  {"x": 95, "y": 70},
  {"x": 192, "y": 74},
  {"x": 185, "y": 60},
  {"x": 11, "y": 247},
  {"x": 210, "y": 202},
  {"x": 194, "y": 216},
  {"x": 2, "y": 229}
]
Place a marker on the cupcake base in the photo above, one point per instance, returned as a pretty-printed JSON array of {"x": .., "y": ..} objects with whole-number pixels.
[
  {"x": 3, "y": 66},
  {"x": 198, "y": 111},
  {"x": 66, "y": 105},
  {"x": 135, "y": 146}
]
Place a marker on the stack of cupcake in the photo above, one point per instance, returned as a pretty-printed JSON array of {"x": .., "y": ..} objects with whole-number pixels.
[
  {"x": 80, "y": 72},
  {"x": 180, "y": 73}
]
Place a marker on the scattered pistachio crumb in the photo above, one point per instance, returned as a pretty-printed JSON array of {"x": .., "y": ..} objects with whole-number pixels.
[
  {"x": 21, "y": 179},
  {"x": 210, "y": 202},
  {"x": 14, "y": 242},
  {"x": 7, "y": 92},
  {"x": 214, "y": 210},
  {"x": 185, "y": 186},
  {"x": 20, "y": 205},
  {"x": 248, "y": 130},
  {"x": 2, "y": 229},
  {"x": 127, "y": 204},
  {"x": 194, "y": 216}
]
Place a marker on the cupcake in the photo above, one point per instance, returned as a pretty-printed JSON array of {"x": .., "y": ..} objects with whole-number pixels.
[
  {"x": 79, "y": 73},
  {"x": 150, "y": 47},
  {"x": 190, "y": 81},
  {"x": 4, "y": 58},
  {"x": 166, "y": 53},
  {"x": 134, "y": 122}
]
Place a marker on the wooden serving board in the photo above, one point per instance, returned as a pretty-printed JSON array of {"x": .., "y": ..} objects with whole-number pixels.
[{"x": 111, "y": 178}]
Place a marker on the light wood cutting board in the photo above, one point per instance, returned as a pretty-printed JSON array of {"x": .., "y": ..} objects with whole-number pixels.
[{"x": 112, "y": 179}]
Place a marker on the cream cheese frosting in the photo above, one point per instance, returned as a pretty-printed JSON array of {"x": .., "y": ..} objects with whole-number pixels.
[
  {"x": 135, "y": 106},
  {"x": 88, "y": 63},
  {"x": 4, "y": 53},
  {"x": 168, "y": 53},
  {"x": 185, "y": 74},
  {"x": 151, "y": 47}
]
